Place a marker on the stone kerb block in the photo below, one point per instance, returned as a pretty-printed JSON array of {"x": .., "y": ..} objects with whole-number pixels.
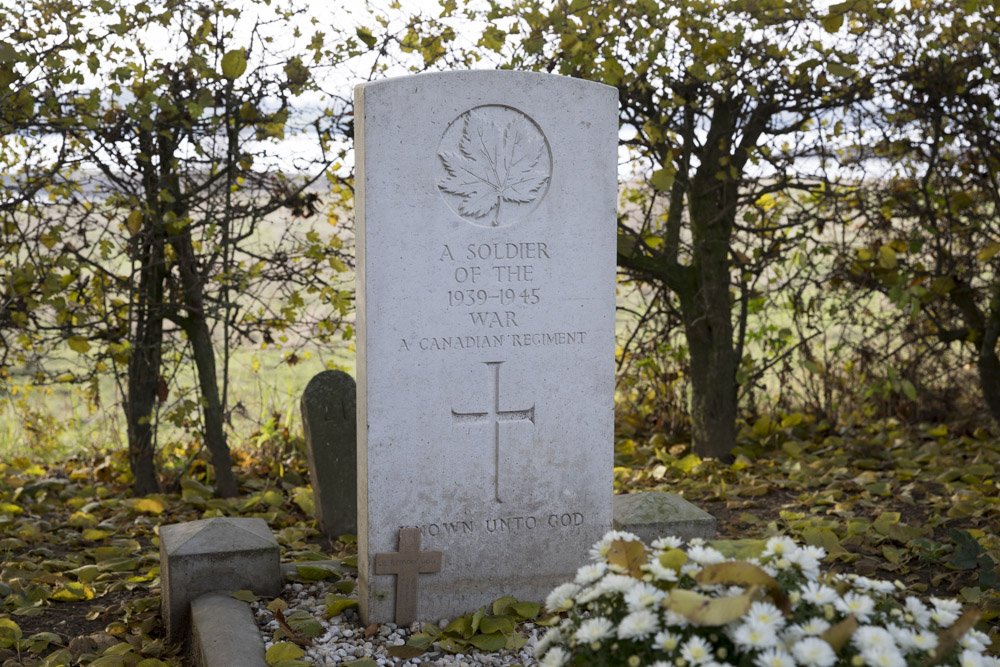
[
  {"x": 329, "y": 418},
  {"x": 219, "y": 554},
  {"x": 653, "y": 514}
]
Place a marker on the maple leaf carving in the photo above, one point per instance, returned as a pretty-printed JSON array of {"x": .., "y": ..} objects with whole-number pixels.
[{"x": 495, "y": 163}]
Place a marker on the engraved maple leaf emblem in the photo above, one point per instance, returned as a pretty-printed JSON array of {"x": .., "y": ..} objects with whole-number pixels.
[{"x": 495, "y": 163}]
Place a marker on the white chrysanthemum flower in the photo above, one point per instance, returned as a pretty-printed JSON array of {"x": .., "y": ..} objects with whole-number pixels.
[
  {"x": 943, "y": 617},
  {"x": 643, "y": 596},
  {"x": 860, "y": 583},
  {"x": 666, "y": 641},
  {"x": 696, "y": 650},
  {"x": 975, "y": 640},
  {"x": 767, "y": 614},
  {"x": 672, "y": 619},
  {"x": 884, "y": 587},
  {"x": 883, "y": 656},
  {"x": 638, "y": 625},
  {"x": 659, "y": 572},
  {"x": 774, "y": 657},
  {"x": 556, "y": 657},
  {"x": 812, "y": 627},
  {"x": 947, "y": 604},
  {"x": 588, "y": 574},
  {"x": 805, "y": 561},
  {"x": 917, "y": 612},
  {"x": 970, "y": 658},
  {"x": 705, "y": 555},
  {"x": 779, "y": 546},
  {"x": 690, "y": 569},
  {"x": 594, "y": 630},
  {"x": 857, "y": 604},
  {"x": 754, "y": 636},
  {"x": 696, "y": 542},
  {"x": 616, "y": 583},
  {"x": 819, "y": 594},
  {"x": 588, "y": 595},
  {"x": 561, "y": 597},
  {"x": 667, "y": 543},
  {"x": 662, "y": 663},
  {"x": 819, "y": 553},
  {"x": 548, "y": 639},
  {"x": 915, "y": 640},
  {"x": 813, "y": 652},
  {"x": 872, "y": 637}
]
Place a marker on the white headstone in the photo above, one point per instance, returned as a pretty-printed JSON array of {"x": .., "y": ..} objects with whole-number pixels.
[{"x": 486, "y": 296}]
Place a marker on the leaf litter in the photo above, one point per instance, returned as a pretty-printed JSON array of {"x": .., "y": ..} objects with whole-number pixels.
[{"x": 920, "y": 504}]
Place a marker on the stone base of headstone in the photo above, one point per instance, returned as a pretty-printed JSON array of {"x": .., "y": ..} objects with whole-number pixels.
[
  {"x": 219, "y": 554},
  {"x": 653, "y": 514}
]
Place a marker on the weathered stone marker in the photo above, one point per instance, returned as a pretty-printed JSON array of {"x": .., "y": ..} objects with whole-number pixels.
[
  {"x": 218, "y": 554},
  {"x": 329, "y": 410},
  {"x": 485, "y": 229},
  {"x": 407, "y": 564}
]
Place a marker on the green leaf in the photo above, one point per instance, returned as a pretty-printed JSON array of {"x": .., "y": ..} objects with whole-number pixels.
[
  {"x": 317, "y": 572},
  {"x": 663, "y": 179},
  {"x": 842, "y": 71},
  {"x": 336, "y": 604},
  {"x": 987, "y": 253},
  {"x": 833, "y": 21},
  {"x": 489, "y": 642},
  {"x": 283, "y": 651},
  {"x": 501, "y": 605},
  {"x": 245, "y": 596},
  {"x": 78, "y": 344},
  {"x": 492, "y": 624},
  {"x": 363, "y": 662},
  {"x": 366, "y": 36},
  {"x": 234, "y": 64},
  {"x": 526, "y": 610}
]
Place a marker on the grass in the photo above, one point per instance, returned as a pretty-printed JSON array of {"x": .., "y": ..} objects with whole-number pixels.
[{"x": 51, "y": 422}]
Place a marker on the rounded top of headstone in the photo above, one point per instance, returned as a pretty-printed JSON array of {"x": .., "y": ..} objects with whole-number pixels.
[{"x": 330, "y": 382}]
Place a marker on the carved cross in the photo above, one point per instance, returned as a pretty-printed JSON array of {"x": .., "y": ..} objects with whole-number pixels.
[
  {"x": 496, "y": 415},
  {"x": 406, "y": 564}
]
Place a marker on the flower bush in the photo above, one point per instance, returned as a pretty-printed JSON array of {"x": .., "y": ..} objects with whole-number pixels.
[{"x": 696, "y": 607}]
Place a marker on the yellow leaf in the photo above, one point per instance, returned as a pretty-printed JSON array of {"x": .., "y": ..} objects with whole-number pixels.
[
  {"x": 74, "y": 592},
  {"x": 78, "y": 344},
  {"x": 987, "y": 253},
  {"x": 234, "y": 63},
  {"x": 887, "y": 257},
  {"x": 837, "y": 635},
  {"x": 150, "y": 505},
  {"x": 702, "y": 610},
  {"x": 739, "y": 573},
  {"x": 630, "y": 556},
  {"x": 673, "y": 559},
  {"x": 134, "y": 222},
  {"x": 283, "y": 651}
]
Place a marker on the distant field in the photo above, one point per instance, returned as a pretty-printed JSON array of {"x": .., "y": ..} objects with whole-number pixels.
[{"x": 64, "y": 424}]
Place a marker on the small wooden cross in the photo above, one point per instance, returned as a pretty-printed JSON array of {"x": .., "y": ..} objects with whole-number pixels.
[{"x": 406, "y": 564}]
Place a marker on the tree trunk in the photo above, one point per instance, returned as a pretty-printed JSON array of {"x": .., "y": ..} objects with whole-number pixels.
[
  {"x": 709, "y": 332},
  {"x": 144, "y": 364},
  {"x": 196, "y": 326}
]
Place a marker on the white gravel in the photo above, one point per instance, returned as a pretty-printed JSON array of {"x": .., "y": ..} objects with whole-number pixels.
[{"x": 343, "y": 640}]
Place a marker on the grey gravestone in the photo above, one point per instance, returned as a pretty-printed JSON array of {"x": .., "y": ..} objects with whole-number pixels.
[
  {"x": 485, "y": 221},
  {"x": 653, "y": 514},
  {"x": 219, "y": 554},
  {"x": 329, "y": 420}
]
